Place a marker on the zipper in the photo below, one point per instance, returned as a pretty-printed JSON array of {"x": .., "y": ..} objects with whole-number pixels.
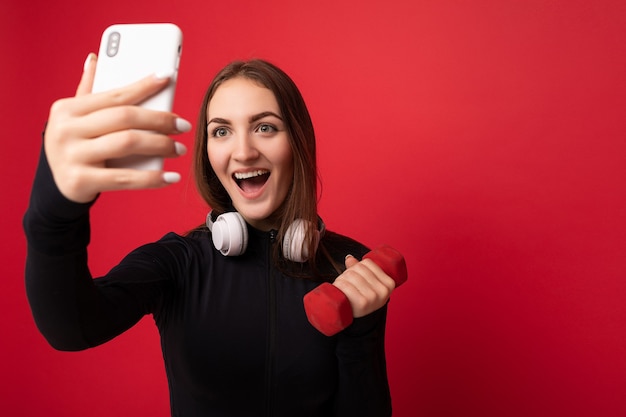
[{"x": 271, "y": 331}]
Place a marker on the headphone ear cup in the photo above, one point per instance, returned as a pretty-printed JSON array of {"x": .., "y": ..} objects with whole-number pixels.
[
  {"x": 294, "y": 247},
  {"x": 229, "y": 233}
]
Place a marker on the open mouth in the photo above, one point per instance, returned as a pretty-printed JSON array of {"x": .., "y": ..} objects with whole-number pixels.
[{"x": 252, "y": 181}]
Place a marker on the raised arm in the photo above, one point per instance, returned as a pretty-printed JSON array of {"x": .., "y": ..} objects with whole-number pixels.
[{"x": 70, "y": 309}]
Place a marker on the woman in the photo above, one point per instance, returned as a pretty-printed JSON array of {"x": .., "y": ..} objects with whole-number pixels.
[{"x": 234, "y": 334}]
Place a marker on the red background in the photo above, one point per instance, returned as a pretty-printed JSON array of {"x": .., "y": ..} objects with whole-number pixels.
[{"x": 484, "y": 139}]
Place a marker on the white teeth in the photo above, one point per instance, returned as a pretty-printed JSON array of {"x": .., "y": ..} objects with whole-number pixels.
[{"x": 246, "y": 175}]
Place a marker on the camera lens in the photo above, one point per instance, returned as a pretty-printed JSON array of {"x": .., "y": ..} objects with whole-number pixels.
[{"x": 113, "y": 44}]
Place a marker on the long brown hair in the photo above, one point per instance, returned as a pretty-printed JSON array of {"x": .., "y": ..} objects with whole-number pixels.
[{"x": 301, "y": 201}]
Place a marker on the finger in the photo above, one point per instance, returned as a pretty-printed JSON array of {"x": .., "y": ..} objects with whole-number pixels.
[
  {"x": 119, "y": 118},
  {"x": 350, "y": 260},
  {"x": 379, "y": 274},
  {"x": 114, "y": 179},
  {"x": 363, "y": 299},
  {"x": 125, "y": 143},
  {"x": 133, "y": 179},
  {"x": 89, "y": 70},
  {"x": 83, "y": 184},
  {"x": 133, "y": 93},
  {"x": 367, "y": 275}
]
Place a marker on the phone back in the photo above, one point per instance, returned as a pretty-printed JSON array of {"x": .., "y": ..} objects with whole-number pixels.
[{"x": 129, "y": 52}]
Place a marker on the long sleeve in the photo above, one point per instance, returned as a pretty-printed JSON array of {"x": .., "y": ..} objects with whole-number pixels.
[
  {"x": 363, "y": 388},
  {"x": 71, "y": 310}
]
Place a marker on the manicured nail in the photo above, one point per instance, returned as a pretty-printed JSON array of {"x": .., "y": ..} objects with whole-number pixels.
[
  {"x": 180, "y": 148},
  {"x": 349, "y": 256},
  {"x": 182, "y": 125},
  {"x": 163, "y": 74},
  {"x": 90, "y": 58},
  {"x": 171, "y": 177}
]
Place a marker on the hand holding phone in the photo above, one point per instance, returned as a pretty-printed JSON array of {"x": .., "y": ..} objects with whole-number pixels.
[{"x": 85, "y": 131}]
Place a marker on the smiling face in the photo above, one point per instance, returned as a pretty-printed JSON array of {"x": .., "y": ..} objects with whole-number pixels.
[{"x": 248, "y": 148}]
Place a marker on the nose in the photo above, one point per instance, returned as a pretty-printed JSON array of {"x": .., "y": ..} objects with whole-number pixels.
[{"x": 245, "y": 150}]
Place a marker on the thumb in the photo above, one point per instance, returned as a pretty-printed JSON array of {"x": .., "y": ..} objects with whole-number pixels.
[{"x": 350, "y": 261}]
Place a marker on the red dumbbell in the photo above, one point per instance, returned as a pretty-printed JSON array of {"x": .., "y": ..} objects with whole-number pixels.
[{"x": 329, "y": 310}]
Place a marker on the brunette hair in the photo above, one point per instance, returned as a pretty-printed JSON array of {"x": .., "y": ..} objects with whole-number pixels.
[{"x": 301, "y": 200}]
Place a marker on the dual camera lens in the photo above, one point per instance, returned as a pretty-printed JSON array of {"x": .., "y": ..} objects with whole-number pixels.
[{"x": 113, "y": 44}]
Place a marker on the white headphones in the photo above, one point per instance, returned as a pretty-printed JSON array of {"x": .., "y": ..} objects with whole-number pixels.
[{"x": 230, "y": 236}]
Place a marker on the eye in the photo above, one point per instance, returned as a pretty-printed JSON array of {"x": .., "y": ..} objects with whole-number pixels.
[
  {"x": 219, "y": 132},
  {"x": 266, "y": 128}
]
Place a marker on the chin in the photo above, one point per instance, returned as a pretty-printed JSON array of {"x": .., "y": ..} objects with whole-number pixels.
[{"x": 262, "y": 220}]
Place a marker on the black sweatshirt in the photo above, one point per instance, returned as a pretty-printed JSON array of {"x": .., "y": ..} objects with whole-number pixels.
[{"x": 234, "y": 334}]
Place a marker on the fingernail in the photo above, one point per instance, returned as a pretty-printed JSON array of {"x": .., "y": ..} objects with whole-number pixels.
[
  {"x": 163, "y": 74},
  {"x": 182, "y": 125},
  {"x": 180, "y": 148},
  {"x": 88, "y": 61},
  {"x": 171, "y": 177},
  {"x": 349, "y": 256}
]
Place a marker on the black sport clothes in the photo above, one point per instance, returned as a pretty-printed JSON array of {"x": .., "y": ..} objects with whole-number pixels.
[{"x": 234, "y": 335}]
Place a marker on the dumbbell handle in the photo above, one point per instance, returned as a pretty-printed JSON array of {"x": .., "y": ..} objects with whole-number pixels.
[{"x": 327, "y": 307}]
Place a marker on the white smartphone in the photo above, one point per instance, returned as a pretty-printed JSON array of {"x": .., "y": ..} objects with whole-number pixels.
[{"x": 129, "y": 52}]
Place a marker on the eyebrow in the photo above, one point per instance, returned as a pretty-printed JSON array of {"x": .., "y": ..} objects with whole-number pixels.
[
  {"x": 263, "y": 115},
  {"x": 252, "y": 118}
]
